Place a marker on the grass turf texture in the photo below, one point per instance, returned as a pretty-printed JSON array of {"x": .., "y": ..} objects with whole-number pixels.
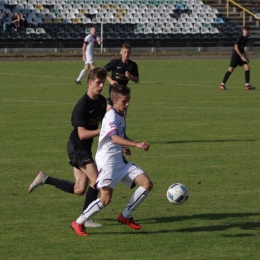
[{"x": 200, "y": 136}]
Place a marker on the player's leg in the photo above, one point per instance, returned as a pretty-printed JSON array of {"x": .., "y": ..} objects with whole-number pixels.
[
  {"x": 94, "y": 208},
  {"x": 247, "y": 77},
  {"x": 42, "y": 178},
  {"x": 82, "y": 73},
  {"x": 92, "y": 66},
  {"x": 225, "y": 79},
  {"x": 90, "y": 170},
  {"x": 145, "y": 186}
]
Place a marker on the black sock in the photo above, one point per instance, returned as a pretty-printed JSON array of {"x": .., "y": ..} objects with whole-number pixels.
[
  {"x": 228, "y": 73},
  {"x": 247, "y": 76},
  {"x": 91, "y": 195},
  {"x": 64, "y": 185}
]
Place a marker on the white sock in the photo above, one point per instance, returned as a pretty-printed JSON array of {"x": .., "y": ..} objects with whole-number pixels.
[
  {"x": 91, "y": 210},
  {"x": 82, "y": 73},
  {"x": 137, "y": 198}
]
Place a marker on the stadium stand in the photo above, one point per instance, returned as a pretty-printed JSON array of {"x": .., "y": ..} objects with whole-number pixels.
[{"x": 142, "y": 22}]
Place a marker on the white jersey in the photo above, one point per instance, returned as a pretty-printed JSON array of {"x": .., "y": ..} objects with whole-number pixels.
[
  {"x": 90, "y": 42},
  {"x": 109, "y": 154}
]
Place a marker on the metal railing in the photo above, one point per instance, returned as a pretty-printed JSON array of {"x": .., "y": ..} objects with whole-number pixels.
[{"x": 244, "y": 11}]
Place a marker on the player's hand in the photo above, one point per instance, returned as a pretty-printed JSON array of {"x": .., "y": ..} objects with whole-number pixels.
[
  {"x": 83, "y": 58},
  {"x": 113, "y": 82},
  {"x": 143, "y": 145},
  {"x": 244, "y": 58},
  {"x": 127, "y": 74},
  {"x": 127, "y": 151}
]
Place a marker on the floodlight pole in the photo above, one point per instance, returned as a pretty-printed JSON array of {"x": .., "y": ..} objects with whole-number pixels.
[{"x": 101, "y": 38}]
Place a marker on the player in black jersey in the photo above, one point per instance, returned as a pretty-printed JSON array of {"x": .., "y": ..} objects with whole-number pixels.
[
  {"x": 122, "y": 70},
  {"x": 86, "y": 116},
  {"x": 239, "y": 57}
]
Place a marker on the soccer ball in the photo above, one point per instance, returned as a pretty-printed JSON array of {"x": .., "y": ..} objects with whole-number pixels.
[{"x": 177, "y": 193}]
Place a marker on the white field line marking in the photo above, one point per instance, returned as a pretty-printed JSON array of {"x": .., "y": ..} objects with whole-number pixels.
[{"x": 159, "y": 107}]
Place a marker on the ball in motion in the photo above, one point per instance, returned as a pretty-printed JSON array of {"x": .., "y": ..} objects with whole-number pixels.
[{"x": 177, "y": 193}]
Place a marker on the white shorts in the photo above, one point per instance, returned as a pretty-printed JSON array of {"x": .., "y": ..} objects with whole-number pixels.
[
  {"x": 109, "y": 177},
  {"x": 89, "y": 59}
]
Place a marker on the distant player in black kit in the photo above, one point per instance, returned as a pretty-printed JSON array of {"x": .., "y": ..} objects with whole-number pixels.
[
  {"x": 239, "y": 57},
  {"x": 86, "y": 116},
  {"x": 122, "y": 70}
]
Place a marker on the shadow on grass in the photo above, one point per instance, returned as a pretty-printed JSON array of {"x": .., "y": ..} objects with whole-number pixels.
[
  {"x": 208, "y": 228},
  {"x": 210, "y": 216},
  {"x": 207, "y": 141}
]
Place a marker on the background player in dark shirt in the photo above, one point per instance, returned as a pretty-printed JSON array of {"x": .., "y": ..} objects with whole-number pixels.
[
  {"x": 122, "y": 70},
  {"x": 239, "y": 57},
  {"x": 86, "y": 116}
]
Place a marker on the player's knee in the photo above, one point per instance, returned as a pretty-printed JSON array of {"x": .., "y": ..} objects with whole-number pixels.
[
  {"x": 79, "y": 191},
  {"x": 231, "y": 70},
  {"x": 148, "y": 185},
  {"x": 105, "y": 201}
]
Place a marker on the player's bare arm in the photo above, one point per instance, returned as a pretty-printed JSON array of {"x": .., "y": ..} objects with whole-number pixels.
[
  {"x": 84, "y": 51},
  {"x": 132, "y": 78},
  {"x": 99, "y": 41},
  {"x": 239, "y": 53},
  {"x": 87, "y": 134},
  {"x": 111, "y": 81},
  {"x": 116, "y": 139}
]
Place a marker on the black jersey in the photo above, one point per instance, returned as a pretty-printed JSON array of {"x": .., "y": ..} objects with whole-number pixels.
[
  {"x": 118, "y": 68},
  {"x": 241, "y": 42},
  {"x": 87, "y": 113}
]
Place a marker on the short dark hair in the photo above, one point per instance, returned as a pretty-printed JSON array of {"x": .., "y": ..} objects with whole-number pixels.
[
  {"x": 246, "y": 27},
  {"x": 126, "y": 46},
  {"x": 120, "y": 90},
  {"x": 97, "y": 72}
]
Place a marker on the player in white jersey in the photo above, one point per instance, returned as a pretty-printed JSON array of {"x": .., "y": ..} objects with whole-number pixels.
[
  {"x": 113, "y": 167},
  {"x": 88, "y": 52}
]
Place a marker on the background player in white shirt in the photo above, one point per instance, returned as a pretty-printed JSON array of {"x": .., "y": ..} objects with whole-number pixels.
[
  {"x": 88, "y": 52},
  {"x": 113, "y": 167}
]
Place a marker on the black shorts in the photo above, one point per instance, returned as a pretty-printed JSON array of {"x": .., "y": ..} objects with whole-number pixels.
[
  {"x": 235, "y": 61},
  {"x": 78, "y": 157}
]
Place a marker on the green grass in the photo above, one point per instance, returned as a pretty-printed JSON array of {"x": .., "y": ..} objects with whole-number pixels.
[{"x": 200, "y": 136}]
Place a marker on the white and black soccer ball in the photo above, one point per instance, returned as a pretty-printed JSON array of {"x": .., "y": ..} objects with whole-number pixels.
[{"x": 177, "y": 193}]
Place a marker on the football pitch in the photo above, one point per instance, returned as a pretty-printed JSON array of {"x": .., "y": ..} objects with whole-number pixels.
[{"x": 200, "y": 136}]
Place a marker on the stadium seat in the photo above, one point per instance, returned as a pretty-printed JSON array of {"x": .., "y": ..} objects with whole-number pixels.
[
  {"x": 29, "y": 30},
  {"x": 207, "y": 25},
  {"x": 125, "y": 20},
  {"x": 163, "y": 20},
  {"x": 148, "y": 31},
  {"x": 50, "y": 16},
  {"x": 86, "y": 20},
  {"x": 138, "y": 16},
  {"x": 172, "y": 20},
  {"x": 66, "y": 20},
  {"x": 76, "y": 21},
  {"x": 138, "y": 30},
  {"x": 47, "y": 20},
  {"x": 176, "y": 30},
  {"x": 150, "y": 25},
  {"x": 214, "y": 30},
  {"x": 57, "y": 20},
  {"x": 61, "y": 16},
  {"x": 40, "y": 7},
  {"x": 197, "y": 25},
  {"x": 87, "y": 6},
  {"x": 83, "y": 11},
  {"x": 218, "y": 20},
  {"x": 156, "y": 15},
  {"x": 179, "y": 25},
  {"x": 71, "y": 16},
  {"x": 160, "y": 25}
]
